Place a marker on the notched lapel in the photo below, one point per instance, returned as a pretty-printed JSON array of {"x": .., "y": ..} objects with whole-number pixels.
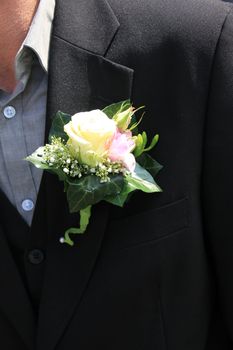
[
  {"x": 93, "y": 24},
  {"x": 79, "y": 79}
]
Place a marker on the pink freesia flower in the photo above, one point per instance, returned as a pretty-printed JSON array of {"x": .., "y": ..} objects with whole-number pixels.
[{"x": 120, "y": 149}]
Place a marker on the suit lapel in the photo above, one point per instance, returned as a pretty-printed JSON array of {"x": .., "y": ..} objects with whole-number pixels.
[{"x": 80, "y": 78}]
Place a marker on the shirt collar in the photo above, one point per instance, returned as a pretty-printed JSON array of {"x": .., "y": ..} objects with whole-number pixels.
[{"x": 38, "y": 37}]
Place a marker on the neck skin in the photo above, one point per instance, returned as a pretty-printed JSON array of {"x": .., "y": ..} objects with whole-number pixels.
[{"x": 15, "y": 20}]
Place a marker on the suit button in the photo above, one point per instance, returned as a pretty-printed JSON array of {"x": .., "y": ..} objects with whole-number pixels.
[{"x": 36, "y": 256}]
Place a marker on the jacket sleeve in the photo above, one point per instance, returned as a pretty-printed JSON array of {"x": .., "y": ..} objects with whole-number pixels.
[{"x": 217, "y": 182}]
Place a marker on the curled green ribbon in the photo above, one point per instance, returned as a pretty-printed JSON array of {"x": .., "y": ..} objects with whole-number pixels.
[{"x": 85, "y": 215}]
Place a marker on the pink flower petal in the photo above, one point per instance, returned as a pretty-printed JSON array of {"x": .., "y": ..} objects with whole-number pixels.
[{"x": 120, "y": 149}]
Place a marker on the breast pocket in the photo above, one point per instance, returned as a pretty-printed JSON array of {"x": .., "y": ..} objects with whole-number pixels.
[{"x": 148, "y": 226}]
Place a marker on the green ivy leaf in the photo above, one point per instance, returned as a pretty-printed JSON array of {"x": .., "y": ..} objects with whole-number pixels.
[
  {"x": 120, "y": 198},
  {"x": 61, "y": 175},
  {"x": 89, "y": 190},
  {"x": 142, "y": 180},
  {"x": 36, "y": 159},
  {"x": 150, "y": 164},
  {"x": 57, "y": 128},
  {"x": 115, "y": 108}
]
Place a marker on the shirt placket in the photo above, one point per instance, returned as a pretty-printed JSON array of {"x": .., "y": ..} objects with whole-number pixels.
[{"x": 14, "y": 152}]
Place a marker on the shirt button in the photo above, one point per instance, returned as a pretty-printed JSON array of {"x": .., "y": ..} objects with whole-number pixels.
[
  {"x": 27, "y": 205},
  {"x": 9, "y": 112},
  {"x": 36, "y": 256}
]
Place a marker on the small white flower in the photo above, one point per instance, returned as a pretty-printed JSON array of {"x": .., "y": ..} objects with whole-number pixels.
[{"x": 66, "y": 170}]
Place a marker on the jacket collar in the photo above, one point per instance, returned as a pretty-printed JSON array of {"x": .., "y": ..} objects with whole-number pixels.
[{"x": 93, "y": 24}]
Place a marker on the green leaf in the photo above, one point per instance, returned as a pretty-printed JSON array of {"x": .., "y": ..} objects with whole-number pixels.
[
  {"x": 115, "y": 108},
  {"x": 121, "y": 197},
  {"x": 60, "y": 173},
  {"x": 89, "y": 190},
  {"x": 142, "y": 180},
  {"x": 85, "y": 215},
  {"x": 118, "y": 200},
  {"x": 36, "y": 159},
  {"x": 57, "y": 128},
  {"x": 150, "y": 164}
]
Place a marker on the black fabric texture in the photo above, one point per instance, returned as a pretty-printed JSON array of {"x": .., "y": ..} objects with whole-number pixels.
[{"x": 156, "y": 274}]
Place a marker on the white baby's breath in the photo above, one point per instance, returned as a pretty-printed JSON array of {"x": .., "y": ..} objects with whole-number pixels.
[{"x": 57, "y": 155}]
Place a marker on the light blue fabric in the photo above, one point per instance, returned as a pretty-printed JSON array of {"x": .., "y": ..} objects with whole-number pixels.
[{"x": 21, "y": 134}]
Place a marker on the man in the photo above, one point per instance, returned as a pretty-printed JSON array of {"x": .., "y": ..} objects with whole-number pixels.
[{"x": 156, "y": 274}]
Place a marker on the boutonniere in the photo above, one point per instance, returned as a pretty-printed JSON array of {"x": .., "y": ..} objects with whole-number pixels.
[{"x": 99, "y": 155}]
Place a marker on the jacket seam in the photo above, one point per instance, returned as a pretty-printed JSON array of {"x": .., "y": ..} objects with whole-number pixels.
[
  {"x": 230, "y": 10},
  {"x": 214, "y": 57}
]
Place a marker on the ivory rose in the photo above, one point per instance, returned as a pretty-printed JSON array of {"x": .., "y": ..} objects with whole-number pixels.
[{"x": 90, "y": 134}]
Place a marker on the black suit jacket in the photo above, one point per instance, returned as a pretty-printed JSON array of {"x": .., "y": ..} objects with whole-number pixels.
[{"x": 157, "y": 274}]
